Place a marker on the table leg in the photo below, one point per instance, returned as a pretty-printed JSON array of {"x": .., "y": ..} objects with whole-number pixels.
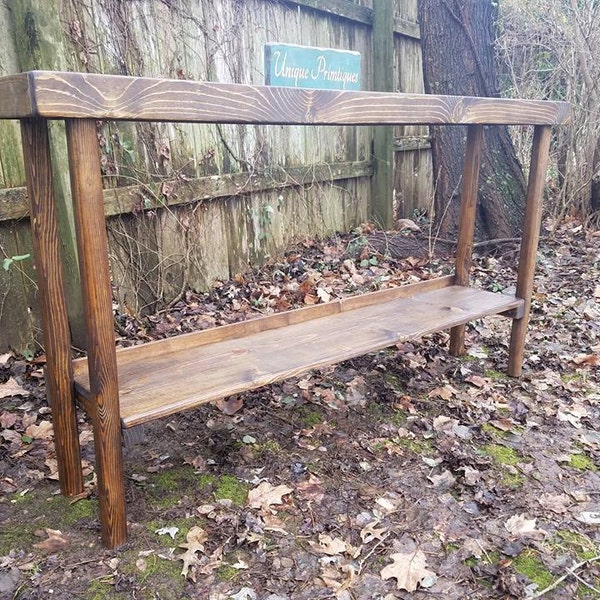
[
  {"x": 468, "y": 206},
  {"x": 88, "y": 201},
  {"x": 55, "y": 324},
  {"x": 529, "y": 243}
]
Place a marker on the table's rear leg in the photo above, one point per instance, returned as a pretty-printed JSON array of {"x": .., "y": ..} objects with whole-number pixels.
[
  {"x": 55, "y": 325},
  {"x": 468, "y": 206}
]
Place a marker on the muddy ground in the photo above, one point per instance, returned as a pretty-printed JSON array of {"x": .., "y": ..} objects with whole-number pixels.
[{"x": 406, "y": 473}]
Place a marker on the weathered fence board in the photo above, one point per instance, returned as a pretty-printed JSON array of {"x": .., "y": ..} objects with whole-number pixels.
[{"x": 192, "y": 203}]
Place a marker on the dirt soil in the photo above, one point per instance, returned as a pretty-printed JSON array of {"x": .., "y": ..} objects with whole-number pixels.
[{"x": 407, "y": 473}]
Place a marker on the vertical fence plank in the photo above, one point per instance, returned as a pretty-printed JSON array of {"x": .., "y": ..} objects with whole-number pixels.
[
  {"x": 383, "y": 81},
  {"x": 39, "y": 44}
]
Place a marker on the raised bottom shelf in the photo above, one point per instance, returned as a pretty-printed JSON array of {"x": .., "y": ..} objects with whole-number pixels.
[{"x": 167, "y": 376}]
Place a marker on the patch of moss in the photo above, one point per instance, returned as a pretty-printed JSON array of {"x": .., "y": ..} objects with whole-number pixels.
[
  {"x": 512, "y": 480},
  {"x": 18, "y": 536},
  {"x": 398, "y": 418},
  {"x": 489, "y": 558},
  {"x": 102, "y": 589},
  {"x": 225, "y": 487},
  {"x": 571, "y": 377},
  {"x": 36, "y": 511},
  {"x": 582, "y": 462},
  {"x": 166, "y": 487},
  {"x": 267, "y": 447},
  {"x": 227, "y": 573},
  {"x": 585, "y": 593},
  {"x": 502, "y": 455},
  {"x": 66, "y": 513},
  {"x": 160, "y": 577},
  {"x": 420, "y": 447},
  {"x": 578, "y": 543},
  {"x": 493, "y": 374},
  {"x": 493, "y": 431},
  {"x": 394, "y": 381},
  {"x": 507, "y": 459},
  {"x": 528, "y": 563},
  {"x": 311, "y": 418}
]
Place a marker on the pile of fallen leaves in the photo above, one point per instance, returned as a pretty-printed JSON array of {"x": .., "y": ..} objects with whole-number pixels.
[{"x": 406, "y": 473}]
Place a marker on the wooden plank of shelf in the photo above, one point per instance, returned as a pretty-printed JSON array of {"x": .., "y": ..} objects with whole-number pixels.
[{"x": 156, "y": 384}]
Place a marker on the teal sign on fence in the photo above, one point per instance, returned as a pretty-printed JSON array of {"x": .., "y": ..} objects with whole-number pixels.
[{"x": 310, "y": 67}]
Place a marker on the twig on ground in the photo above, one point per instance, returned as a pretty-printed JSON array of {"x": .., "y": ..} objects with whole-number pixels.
[
  {"x": 364, "y": 560},
  {"x": 570, "y": 571}
]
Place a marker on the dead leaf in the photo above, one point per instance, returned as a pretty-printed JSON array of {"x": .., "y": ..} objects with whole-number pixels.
[
  {"x": 445, "y": 392},
  {"x": 328, "y": 545},
  {"x": 587, "y": 360},
  {"x": 310, "y": 490},
  {"x": 230, "y": 405},
  {"x": 323, "y": 295},
  {"x": 245, "y": 593},
  {"x": 387, "y": 505},
  {"x": 573, "y": 415},
  {"x": 141, "y": 564},
  {"x": 172, "y": 531},
  {"x": 7, "y": 419},
  {"x": 266, "y": 494},
  {"x": 12, "y": 436},
  {"x": 43, "y": 431},
  {"x": 503, "y": 424},
  {"x": 521, "y": 526},
  {"x": 409, "y": 569},
  {"x": 442, "y": 481},
  {"x": 407, "y": 224},
  {"x": 443, "y": 423},
  {"x": 356, "y": 391},
  {"x": 12, "y": 388},
  {"x": 55, "y": 542},
  {"x": 557, "y": 503},
  {"x": 194, "y": 543},
  {"x": 472, "y": 476},
  {"x": 371, "y": 532},
  {"x": 473, "y": 547},
  {"x": 477, "y": 381},
  {"x": 52, "y": 465}
]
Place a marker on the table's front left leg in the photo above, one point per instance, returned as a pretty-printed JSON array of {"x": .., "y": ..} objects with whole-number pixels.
[{"x": 92, "y": 245}]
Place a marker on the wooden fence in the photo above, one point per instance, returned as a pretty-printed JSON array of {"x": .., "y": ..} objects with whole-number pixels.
[{"x": 188, "y": 205}]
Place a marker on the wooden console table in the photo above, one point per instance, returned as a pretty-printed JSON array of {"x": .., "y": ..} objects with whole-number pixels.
[{"x": 123, "y": 388}]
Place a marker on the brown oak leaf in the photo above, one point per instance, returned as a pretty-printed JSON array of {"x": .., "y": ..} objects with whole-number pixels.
[
  {"x": 409, "y": 568},
  {"x": 55, "y": 542},
  {"x": 266, "y": 494},
  {"x": 194, "y": 543}
]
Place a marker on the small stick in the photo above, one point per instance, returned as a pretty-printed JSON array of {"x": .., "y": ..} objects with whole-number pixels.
[{"x": 569, "y": 572}]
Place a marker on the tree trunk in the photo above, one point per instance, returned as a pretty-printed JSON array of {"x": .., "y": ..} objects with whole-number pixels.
[{"x": 458, "y": 59}]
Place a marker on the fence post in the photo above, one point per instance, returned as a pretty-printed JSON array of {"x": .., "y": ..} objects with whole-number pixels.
[
  {"x": 383, "y": 137},
  {"x": 38, "y": 41}
]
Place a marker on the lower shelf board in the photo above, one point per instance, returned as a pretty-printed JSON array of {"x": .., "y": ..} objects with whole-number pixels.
[{"x": 165, "y": 377}]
